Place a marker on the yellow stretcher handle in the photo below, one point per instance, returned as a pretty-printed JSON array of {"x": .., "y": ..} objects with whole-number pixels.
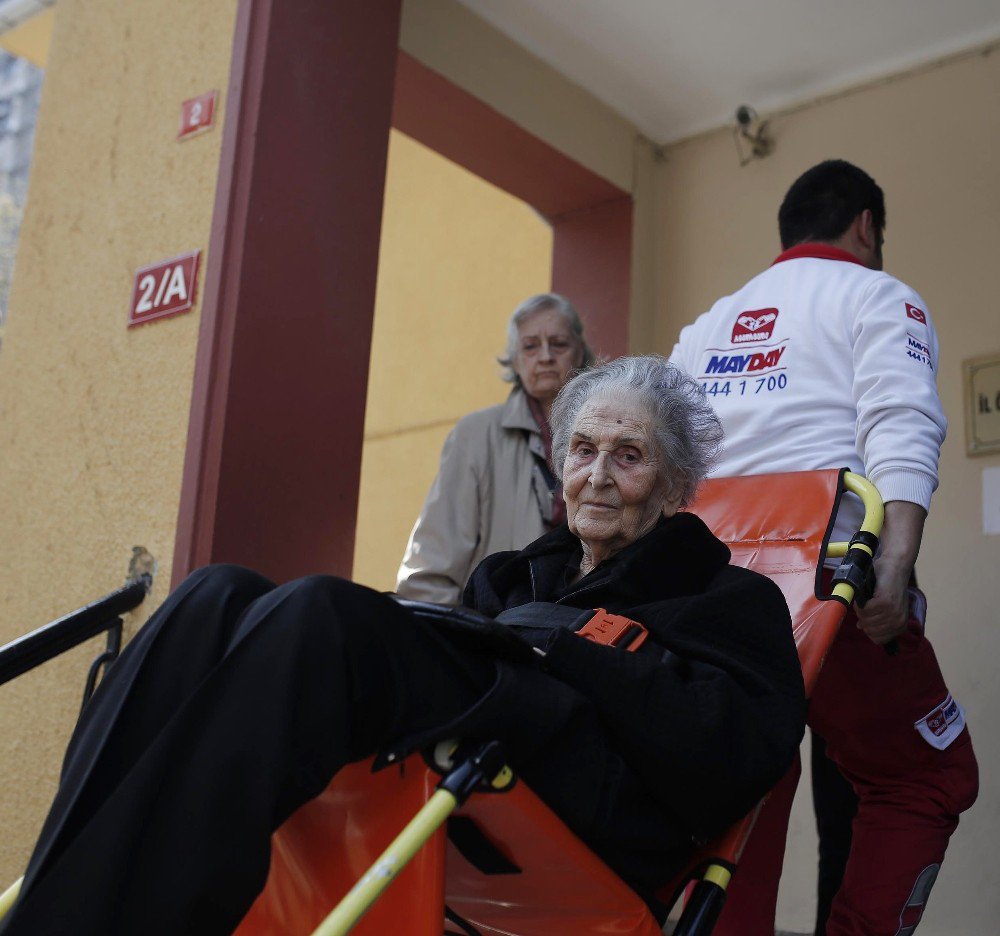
[
  {"x": 872, "y": 523},
  {"x": 381, "y": 874},
  {"x": 8, "y": 897},
  {"x": 484, "y": 765}
]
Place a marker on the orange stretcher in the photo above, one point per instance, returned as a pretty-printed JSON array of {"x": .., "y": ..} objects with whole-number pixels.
[{"x": 503, "y": 863}]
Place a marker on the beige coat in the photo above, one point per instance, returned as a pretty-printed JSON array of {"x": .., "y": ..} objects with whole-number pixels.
[{"x": 487, "y": 497}]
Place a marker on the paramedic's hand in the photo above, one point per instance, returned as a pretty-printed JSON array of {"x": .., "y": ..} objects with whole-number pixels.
[{"x": 885, "y": 616}]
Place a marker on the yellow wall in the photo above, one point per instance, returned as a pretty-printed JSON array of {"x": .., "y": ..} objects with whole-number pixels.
[
  {"x": 93, "y": 417},
  {"x": 457, "y": 255},
  {"x": 931, "y": 139},
  {"x": 31, "y": 40}
]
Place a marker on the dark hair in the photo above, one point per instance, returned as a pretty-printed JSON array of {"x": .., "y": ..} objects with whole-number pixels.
[{"x": 823, "y": 201}]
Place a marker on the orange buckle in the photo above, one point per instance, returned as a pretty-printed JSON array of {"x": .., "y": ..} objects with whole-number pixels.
[{"x": 614, "y": 630}]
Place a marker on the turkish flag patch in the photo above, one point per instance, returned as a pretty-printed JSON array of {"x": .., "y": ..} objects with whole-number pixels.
[
  {"x": 914, "y": 313},
  {"x": 754, "y": 326}
]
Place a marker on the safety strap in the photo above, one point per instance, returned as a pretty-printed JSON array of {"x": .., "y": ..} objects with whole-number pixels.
[
  {"x": 538, "y": 618},
  {"x": 614, "y": 630}
]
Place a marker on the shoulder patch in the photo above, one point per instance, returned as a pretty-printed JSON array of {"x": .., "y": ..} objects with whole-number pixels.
[
  {"x": 914, "y": 313},
  {"x": 942, "y": 725}
]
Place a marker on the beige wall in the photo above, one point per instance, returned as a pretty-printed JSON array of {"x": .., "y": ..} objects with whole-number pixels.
[
  {"x": 931, "y": 139},
  {"x": 93, "y": 417},
  {"x": 457, "y": 255}
]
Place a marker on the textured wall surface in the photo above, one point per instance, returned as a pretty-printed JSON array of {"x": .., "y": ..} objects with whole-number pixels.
[
  {"x": 930, "y": 138},
  {"x": 93, "y": 417},
  {"x": 457, "y": 256}
]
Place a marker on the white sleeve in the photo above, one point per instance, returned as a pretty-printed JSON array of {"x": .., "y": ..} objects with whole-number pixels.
[
  {"x": 438, "y": 558},
  {"x": 901, "y": 423}
]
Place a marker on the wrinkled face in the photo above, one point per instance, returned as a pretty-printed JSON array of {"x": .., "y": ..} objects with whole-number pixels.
[
  {"x": 612, "y": 479},
  {"x": 547, "y": 350}
]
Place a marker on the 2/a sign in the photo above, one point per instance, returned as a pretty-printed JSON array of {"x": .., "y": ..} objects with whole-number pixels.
[{"x": 163, "y": 289}]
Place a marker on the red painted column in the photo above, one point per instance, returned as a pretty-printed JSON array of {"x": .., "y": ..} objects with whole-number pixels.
[
  {"x": 273, "y": 460},
  {"x": 591, "y": 263}
]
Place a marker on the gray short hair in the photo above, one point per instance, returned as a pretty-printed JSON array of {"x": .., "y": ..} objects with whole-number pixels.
[
  {"x": 688, "y": 434},
  {"x": 529, "y": 307}
]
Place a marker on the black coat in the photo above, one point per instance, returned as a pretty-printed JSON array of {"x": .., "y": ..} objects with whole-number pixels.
[
  {"x": 694, "y": 727},
  {"x": 707, "y": 715}
]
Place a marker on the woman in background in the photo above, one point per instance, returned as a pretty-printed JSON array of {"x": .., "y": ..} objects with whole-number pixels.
[{"x": 495, "y": 490}]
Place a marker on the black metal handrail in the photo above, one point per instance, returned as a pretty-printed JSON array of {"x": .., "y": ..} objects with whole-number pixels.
[{"x": 49, "y": 641}]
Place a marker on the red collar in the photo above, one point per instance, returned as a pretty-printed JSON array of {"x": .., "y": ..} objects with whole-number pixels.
[{"x": 817, "y": 251}]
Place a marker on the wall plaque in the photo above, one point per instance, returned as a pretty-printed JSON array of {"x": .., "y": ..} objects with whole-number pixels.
[
  {"x": 163, "y": 289},
  {"x": 197, "y": 114},
  {"x": 982, "y": 404}
]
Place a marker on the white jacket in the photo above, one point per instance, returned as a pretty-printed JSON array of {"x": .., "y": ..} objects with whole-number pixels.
[
  {"x": 820, "y": 362},
  {"x": 486, "y": 498}
]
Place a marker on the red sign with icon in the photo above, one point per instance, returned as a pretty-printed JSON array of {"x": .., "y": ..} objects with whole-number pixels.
[
  {"x": 197, "y": 114},
  {"x": 163, "y": 289},
  {"x": 755, "y": 325}
]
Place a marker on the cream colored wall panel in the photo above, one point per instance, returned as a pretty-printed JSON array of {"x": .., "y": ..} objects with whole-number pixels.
[{"x": 930, "y": 139}]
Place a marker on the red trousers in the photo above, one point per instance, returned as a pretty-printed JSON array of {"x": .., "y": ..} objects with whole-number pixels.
[{"x": 910, "y": 793}]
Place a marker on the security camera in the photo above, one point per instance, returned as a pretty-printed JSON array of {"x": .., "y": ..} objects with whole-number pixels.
[{"x": 751, "y": 132}]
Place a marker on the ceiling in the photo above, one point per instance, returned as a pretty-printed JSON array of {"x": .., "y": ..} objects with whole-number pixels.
[{"x": 678, "y": 67}]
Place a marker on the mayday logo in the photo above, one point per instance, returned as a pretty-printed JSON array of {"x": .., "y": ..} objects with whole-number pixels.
[
  {"x": 914, "y": 313},
  {"x": 754, "y": 326},
  {"x": 943, "y": 725},
  {"x": 918, "y": 351},
  {"x": 743, "y": 363},
  {"x": 939, "y": 720}
]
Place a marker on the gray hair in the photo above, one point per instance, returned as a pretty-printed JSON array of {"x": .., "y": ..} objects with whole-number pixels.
[
  {"x": 529, "y": 307},
  {"x": 686, "y": 430}
]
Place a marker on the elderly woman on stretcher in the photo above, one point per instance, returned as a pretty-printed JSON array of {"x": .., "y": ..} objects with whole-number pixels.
[{"x": 239, "y": 700}]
